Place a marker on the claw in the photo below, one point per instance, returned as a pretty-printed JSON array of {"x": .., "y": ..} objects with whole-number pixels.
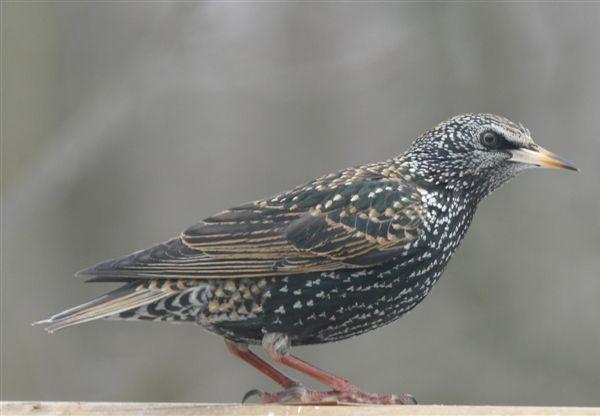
[
  {"x": 253, "y": 392},
  {"x": 406, "y": 398}
]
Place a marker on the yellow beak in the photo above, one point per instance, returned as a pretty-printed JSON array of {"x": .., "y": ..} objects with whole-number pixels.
[{"x": 540, "y": 157}]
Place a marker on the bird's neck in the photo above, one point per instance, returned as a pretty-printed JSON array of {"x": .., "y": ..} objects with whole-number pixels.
[{"x": 451, "y": 178}]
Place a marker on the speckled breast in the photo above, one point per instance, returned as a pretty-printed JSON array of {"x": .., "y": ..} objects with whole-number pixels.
[
  {"x": 323, "y": 307},
  {"x": 338, "y": 305}
]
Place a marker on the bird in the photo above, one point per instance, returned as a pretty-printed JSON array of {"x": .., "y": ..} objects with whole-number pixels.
[{"x": 331, "y": 259}]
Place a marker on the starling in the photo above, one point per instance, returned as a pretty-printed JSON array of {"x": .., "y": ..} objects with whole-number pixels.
[{"x": 336, "y": 257}]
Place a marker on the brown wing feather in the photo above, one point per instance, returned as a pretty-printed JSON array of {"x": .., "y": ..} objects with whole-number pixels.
[{"x": 325, "y": 225}]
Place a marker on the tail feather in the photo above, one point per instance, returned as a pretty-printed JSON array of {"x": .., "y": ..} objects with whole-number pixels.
[{"x": 120, "y": 300}]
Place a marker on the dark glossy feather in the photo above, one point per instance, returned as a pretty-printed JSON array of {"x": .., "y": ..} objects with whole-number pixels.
[{"x": 345, "y": 220}]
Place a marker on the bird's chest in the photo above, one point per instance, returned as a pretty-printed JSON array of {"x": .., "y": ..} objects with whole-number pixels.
[
  {"x": 329, "y": 306},
  {"x": 448, "y": 219}
]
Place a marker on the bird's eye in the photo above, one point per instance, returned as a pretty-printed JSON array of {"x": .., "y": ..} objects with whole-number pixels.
[{"x": 491, "y": 140}]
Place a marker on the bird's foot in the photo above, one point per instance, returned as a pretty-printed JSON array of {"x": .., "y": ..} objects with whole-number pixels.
[{"x": 300, "y": 394}]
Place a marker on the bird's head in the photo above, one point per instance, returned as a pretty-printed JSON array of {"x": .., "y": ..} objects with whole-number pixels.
[{"x": 477, "y": 152}]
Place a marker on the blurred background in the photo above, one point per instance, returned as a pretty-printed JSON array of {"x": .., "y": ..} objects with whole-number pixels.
[{"x": 125, "y": 123}]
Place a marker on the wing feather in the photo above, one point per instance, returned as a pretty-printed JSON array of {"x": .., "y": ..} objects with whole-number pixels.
[{"x": 329, "y": 224}]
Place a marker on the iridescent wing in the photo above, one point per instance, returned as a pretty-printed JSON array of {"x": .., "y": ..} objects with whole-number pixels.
[{"x": 351, "y": 219}]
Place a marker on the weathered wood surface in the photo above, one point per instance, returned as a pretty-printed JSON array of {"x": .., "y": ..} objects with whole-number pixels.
[{"x": 204, "y": 409}]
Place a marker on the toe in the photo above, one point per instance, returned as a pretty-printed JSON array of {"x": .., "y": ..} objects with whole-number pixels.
[{"x": 295, "y": 393}]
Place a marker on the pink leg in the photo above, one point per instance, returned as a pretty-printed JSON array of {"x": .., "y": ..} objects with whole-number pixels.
[
  {"x": 333, "y": 381},
  {"x": 242, "y": 351},
  {"x": 343, "y": 391}
]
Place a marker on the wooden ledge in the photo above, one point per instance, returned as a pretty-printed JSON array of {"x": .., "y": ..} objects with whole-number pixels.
[{"x": 207, "y": 409}]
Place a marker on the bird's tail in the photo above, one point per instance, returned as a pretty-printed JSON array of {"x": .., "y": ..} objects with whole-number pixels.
[{"x": 130, "y": 296}]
